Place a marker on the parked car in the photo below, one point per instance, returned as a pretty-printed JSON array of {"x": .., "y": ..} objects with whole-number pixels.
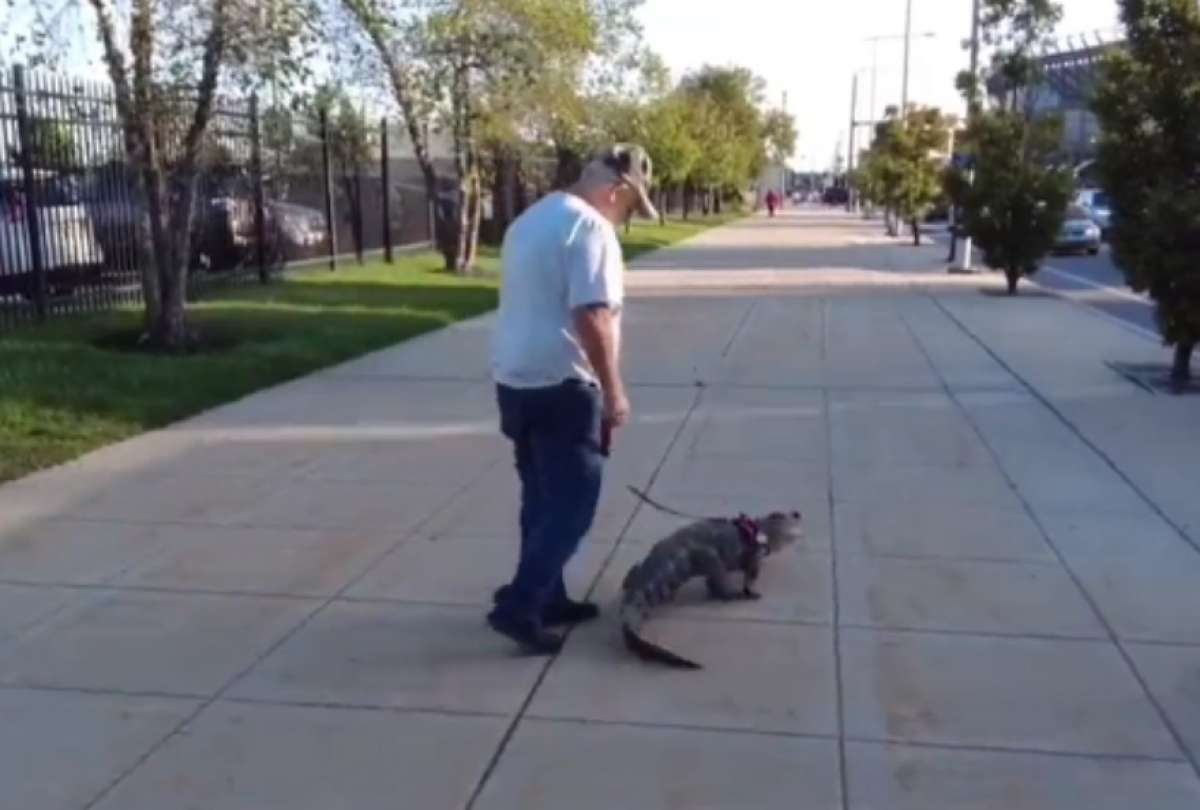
[
  {"x": 224, "y": 233},
  {"x": 66, "y": 234},
  {"x": 1079, "y": 233},
  {"x": 1098, "y": 207},
  {"x": 835, "y": 196}
]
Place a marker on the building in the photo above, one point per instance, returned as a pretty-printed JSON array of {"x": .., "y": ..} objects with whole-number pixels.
[{"x": 1065, "y": 86}]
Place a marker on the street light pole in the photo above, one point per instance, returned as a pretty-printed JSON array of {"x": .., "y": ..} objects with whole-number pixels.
[
  {"x": 874, "y": 73},
  {"x": 972, "y": 111},
  {"x": 907, "y": 50},
  {"x": 850, "y": 155},
  {"x": 874, "y": 111}
]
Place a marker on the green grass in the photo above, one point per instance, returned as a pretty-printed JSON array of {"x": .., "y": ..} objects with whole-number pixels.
[
  {"x": 644, "y": 237},
  {"x": 62, "y": 395}
]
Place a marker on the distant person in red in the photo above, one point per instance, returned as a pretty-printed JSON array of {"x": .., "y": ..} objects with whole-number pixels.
[{"x": 772, "y": 202}]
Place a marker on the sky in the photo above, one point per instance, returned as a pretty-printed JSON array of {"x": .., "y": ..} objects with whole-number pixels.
[{"x": 810, "y": 49}]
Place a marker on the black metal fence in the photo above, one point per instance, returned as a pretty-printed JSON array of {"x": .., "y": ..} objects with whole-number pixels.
[{"x": 72, "y": 228}]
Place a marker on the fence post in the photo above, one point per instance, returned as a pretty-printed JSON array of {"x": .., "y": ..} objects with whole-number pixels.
[
  {"x": 387, "y": 191},
  {"x": 327, "y": 178},
  {"x": 260, "y": 219},
  {"x": 359, "y": 218},
  {"x": 32, "y": 217}
]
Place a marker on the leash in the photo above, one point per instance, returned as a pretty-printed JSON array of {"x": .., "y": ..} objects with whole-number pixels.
[
  {"x": 666, "y": 510},
  {"x": 747, "y": 528}
]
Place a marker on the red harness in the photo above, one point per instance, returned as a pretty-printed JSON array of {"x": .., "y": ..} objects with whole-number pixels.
[{"x": 748, "y": 531}]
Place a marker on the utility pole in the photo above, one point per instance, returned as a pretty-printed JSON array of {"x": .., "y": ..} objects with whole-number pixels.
[
  {"x": 874, "y": 74},
  {"x": 850, "y": 157},
  {"x": 783, "y": 170},
  {"x": 972, "y": 111},
  {"x": 907, "y": 50}
]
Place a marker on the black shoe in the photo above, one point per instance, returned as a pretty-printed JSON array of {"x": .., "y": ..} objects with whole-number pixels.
[
  {"x": 567, "y": 611},
  {"x": 530, "y": 635}
]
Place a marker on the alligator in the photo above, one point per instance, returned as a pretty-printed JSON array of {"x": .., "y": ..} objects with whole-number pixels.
[{"x": 713, "y": 548}]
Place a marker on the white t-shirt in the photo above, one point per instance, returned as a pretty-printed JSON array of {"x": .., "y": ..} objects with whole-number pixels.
[{"x": 558, "y": 255}]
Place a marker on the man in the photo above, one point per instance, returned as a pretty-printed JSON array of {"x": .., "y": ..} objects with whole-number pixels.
[
  {"x": 555, "y": 353},
  {"x": 772, "y": 201}
]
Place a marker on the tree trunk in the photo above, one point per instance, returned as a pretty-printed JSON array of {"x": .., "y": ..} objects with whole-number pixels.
[
  {"x": 566, "y": 167},
  {"x": 717, "y": 202},
  {"x": 520, "y": 201},
  {"x": 1012, "y": 277},
  {"x": 474, "y": 221},
  {"x": 414, "y": 122},
  {"x": 1181, "y": 368},
  {"x": 170, "y": 329},
  {"x": 916, "y": 232},
  {"x": 687, "y": 200},
  {"x": 505, "y": 195},
  {"x": 462, "y": 216}
]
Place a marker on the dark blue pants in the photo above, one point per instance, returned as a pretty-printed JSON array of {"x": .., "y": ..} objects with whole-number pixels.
[{"x": 555, "y": 433}]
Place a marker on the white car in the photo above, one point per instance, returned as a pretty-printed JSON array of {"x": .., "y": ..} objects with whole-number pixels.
[
  {"x": 1098, "y": 207},
  {"x": 1078, "y": 234},
  {"x": 66, "y": 233}
]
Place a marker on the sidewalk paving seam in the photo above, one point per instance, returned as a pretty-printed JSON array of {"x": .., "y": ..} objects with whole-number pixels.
[
  {"x": 592, "y": 721},
  {"x": 741, "y": 326},
  {"x": 428, "y": 711},
  {"x": 279, "y": 642},
  {"x": 1116, "y": 641},
  {"x": 107, "y": 586},
  {"x": 831, "y": 506},
  {"x": 992, "y": 634},
  {"x": 102, "y": 692},
  {"x": 1071, "y": 426},
  {"x": 633, "y": 382},
  {"x": 903, "y": 556},
  {"x": 706, "y": 618},
  {"x": 1000, "y": 749},
  {"x": 271, "y": 527},
  {"x": 612, "y": 553}
]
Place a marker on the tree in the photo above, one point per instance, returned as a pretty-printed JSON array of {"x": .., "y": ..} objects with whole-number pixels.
[
  {"x": 671, "y": 144},
  {"x": 1016, "y": 202},
  {"x": 453, "y": 61},
  {"x": 1149, "y": 160},
  {"x": 166, "y": 78},
  {"x": 727, "y": 122},
  {"x": 1015, "y": 206},
  {"x": 903, "y": 167},
  {"x": 779, "y": 132},
  {"x": 880, "y": 174}
]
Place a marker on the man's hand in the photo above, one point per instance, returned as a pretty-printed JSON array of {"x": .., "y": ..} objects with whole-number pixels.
[
  {"x": 595, "y": 328},
  {"x": 616, "y": 408}
]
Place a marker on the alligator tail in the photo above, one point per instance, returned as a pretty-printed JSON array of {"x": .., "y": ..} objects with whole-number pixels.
[{"x": 649, "y": 651}]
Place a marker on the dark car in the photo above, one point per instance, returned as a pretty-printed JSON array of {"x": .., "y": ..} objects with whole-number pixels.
[
  {"x": 835, "y": 196},
  {"x": 224, "y": 231}
]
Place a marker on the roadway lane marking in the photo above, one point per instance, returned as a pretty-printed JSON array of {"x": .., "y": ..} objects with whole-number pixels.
[{"x": 1087, "y": 282}]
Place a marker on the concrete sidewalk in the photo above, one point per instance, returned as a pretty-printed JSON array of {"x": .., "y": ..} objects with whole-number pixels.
[{"x": 279, "y": 603}]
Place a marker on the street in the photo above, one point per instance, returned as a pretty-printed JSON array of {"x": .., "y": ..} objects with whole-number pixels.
[
  {"x": 1095, "y": 282},
  {"x": 1098, "y": 283}
]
